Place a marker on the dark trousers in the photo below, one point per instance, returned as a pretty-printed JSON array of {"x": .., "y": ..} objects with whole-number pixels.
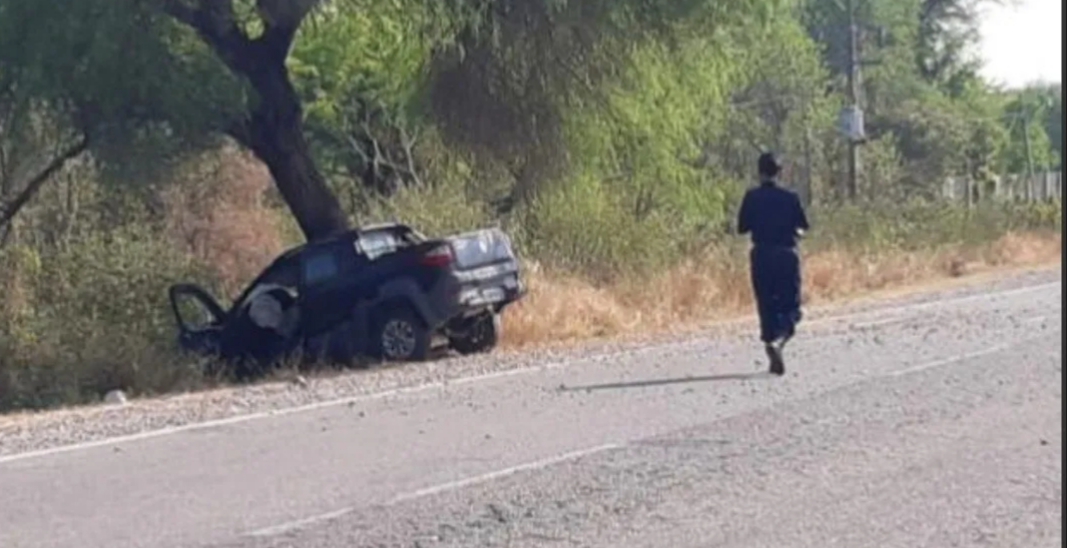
[{"x": 776, "y": 283}]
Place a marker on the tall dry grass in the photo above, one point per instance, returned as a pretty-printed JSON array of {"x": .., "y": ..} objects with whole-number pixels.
[
  {"x": 562, "y": 307},
  {"x": 218, "y": 214}
]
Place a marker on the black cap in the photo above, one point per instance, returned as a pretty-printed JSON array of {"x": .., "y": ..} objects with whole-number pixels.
[{"x": 768, "y": 164}]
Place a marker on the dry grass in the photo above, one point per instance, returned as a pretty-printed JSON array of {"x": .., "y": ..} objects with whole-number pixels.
[
  {"x": 562, "y": 308},
  {"x": 218, "y": 216}
]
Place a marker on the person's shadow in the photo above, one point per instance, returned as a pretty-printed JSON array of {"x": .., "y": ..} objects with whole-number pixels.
[{"x": 664, "y": 382}]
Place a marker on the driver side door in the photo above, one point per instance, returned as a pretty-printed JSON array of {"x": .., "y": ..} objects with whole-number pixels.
[
  {"x": 199, "y": 317},
  {"x": 328, "y": 273}
]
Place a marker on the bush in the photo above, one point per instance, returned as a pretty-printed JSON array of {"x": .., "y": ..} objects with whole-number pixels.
[
  {"x": 925, "y": 225},
  {"x": 95, "y": 317}
]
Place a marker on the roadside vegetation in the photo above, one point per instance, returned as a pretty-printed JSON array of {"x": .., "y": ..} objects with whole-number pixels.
[{"x": 144, "y": 143}]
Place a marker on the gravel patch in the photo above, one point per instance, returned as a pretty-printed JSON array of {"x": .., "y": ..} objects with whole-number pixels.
[{"x": 24, "y": 432}]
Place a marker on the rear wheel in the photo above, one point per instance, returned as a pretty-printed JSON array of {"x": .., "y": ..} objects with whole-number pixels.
[
  {"x": 481, "y": 335},
  {"x": 401, "y": 335}
]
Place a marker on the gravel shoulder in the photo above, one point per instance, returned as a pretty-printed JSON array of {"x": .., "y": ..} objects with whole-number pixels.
[{"x": 23, "y": 432}]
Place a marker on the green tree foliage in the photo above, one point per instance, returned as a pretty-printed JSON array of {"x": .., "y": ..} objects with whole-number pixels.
[
  {"x": 780, "y": 101},
  {"x": 131, "y": 69},
  {"x": 196, "y": 68},
  {"x": 504, "y": 82},
  {"x": 1054, "y": 125},
  {"x": 921, "y": 93},
  {"x": 1049, "y": 100},
  {"x": 947, "y": 36},
  {"x": 1028, "y": 115},
  {"x": 504, "y": 92},
  {"x": 611, "y": 137}
]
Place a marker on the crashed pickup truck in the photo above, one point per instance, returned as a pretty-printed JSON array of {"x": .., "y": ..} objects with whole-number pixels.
[{"x": 383, "y": 291}]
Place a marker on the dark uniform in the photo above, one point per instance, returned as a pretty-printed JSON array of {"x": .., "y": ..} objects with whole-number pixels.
[{"x": 775, "y": 218}]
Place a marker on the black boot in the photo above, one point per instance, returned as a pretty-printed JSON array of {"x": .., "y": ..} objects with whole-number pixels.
[{"x": 775, "y": 355}]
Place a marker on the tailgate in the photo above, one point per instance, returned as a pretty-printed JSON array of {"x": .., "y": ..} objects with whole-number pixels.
[{"x": 486, "y": 265}]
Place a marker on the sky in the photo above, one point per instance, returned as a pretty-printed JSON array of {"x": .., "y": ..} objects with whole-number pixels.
[{"x": 1022, "y": 42}]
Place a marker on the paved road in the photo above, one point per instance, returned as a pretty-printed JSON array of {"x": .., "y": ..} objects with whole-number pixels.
[{"x": 934, "y": 425}]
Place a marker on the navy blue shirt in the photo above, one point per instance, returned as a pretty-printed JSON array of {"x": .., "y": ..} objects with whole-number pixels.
[{"x": 772, "y": 214}]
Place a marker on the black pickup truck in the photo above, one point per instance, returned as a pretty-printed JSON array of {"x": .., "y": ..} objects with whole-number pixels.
[{"x": 382, "y": 291}]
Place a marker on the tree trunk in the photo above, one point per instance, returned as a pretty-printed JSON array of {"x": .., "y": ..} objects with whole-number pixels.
[
  {"x": 275, "y": 134},
  {"x": 274, "y": 131}
]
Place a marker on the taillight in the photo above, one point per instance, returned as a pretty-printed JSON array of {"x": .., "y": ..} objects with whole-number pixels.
[{"x": 438, "y": 257}]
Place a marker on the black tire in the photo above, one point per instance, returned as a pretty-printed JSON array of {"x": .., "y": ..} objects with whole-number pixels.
[
  {"x": 400, "y": 335},
  {"x": 482, "y": 336}
]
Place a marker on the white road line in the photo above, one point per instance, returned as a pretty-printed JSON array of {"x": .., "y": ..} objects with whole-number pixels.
[
  {"x": 574, "y": 455},
  {"x": 965, "y": 299},
  {"x": 298, "y": 524},
  {"x": 879, "y": 323},
  {"x": 274, "y": 413},
  {"x": 478, "y": 378},
  {"x": 535, "y": 465},
  {"x": 287, "y": 527},
  {"x": 1037, "y": 319},
  {"x": 954, "y": 359}
]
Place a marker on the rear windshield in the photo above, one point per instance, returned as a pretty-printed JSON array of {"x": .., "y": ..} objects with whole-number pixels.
[
  {"x": 381, "y": 242},
  {"x": 481, "y": 248}
]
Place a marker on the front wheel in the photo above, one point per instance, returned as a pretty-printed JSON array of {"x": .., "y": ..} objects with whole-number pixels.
[
  {"x": 401, "y": 336},
  {"x": 480, "y": 337}
]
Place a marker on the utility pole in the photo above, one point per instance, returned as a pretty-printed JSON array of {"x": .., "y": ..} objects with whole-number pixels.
[
  {"x": 805, "y": 190},
  {"x": 853, "y": 98},
  {"x": 1029, "y": 160}
]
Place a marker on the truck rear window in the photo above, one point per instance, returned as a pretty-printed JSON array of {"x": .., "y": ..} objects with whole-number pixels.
[{"x": 377, "y": 244}]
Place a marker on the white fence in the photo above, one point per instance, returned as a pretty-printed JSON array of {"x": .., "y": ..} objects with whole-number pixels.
[{"x": 1041, "y": 187}]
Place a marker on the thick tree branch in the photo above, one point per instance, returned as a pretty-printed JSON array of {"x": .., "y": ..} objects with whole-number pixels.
[
  {"x": 281, "y": 19},
  {"x": 9, "y": 211},
  {"x": 216, "y": 23}
]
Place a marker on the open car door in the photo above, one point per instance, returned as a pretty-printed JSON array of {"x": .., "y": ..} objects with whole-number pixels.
[{"x": 200, "y": 319}]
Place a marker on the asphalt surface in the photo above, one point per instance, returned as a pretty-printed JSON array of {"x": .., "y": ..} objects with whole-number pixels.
[{"x": 931, "y": 424}]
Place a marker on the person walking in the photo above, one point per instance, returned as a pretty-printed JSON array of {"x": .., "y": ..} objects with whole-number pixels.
[{"x": 775, "y": 218}]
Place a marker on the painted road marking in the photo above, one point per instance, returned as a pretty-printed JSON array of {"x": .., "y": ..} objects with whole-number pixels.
[
  {"x": 149, "y": 434},
  {"x": 294, "y": 525},
  {"x": 299, "y": 524},
  {"x": 574, "y": 455}
]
